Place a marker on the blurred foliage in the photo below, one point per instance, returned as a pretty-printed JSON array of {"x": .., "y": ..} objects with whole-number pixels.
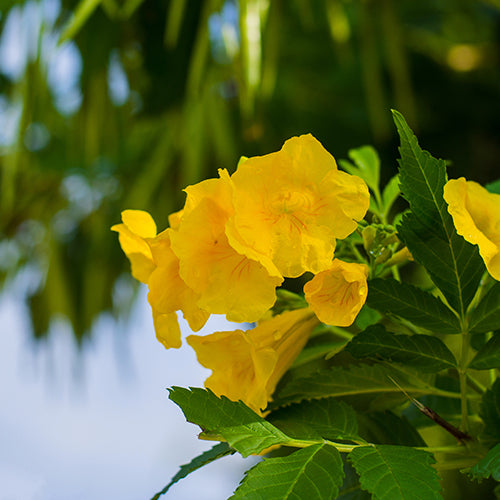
[{"x": 114, "y": 104}]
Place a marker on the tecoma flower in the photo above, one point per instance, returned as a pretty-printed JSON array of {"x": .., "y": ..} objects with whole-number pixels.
[
  {"x": 338, "y": 294},
  {"x": 476, "y": 215},
  {"x": 136, "y": 228},
  {"x": 247, "y": 365},
  {"x": 227, "y": 282},
  {"x": 292, "y": 205},
  {"x": 154, "y": 264}
]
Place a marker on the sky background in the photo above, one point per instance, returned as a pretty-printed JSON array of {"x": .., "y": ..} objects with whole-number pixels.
[{"x": 99, "y": 424}]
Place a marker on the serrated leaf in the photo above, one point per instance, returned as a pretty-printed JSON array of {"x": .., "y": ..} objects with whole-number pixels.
[
  {"x": 453, "y": 264},
  {"x": 488, "y": 356},
  {"x": 323, "y": 418},
  {"x": 490, "y": 412},
  {"x": 388, "y": 428},
  {"x": 390, "y": 193},
  {"x": 354, "y": 381},
  {"x": 413, "y": 304},
  {"x": 351, "y": 489},
  {"x": 240, "y": 426},
  {"x": 488, "y": 466},
  {"x": 218, "y": 451},
  {"x": 396, "y": 472},
  {"x": 486, "y": 316},
  {"x": 427, "y": 353},
  {"x": 314, "y": 473}
]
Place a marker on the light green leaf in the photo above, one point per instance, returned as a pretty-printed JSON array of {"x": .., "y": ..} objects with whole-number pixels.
[
  {"x": 323, "y": 418},
  {"x": 218, "y": 451},
  {"x": 453, "y": 264},
  {"x": 396, "y": 472},
  {"x": 79, "y": 17},
  {"x": 490, "y": 412},
  {"x": 413, "y": 304},
  {"x": 233, "y": 422},
  {"x": 486, "y": 316},
  {"x": 354, "y": 381},
  {"x": 488, "y": 356},
  {"x": 390, "y": 193},
  {"x": 367, "y": 166},
  {"x": 488, "y": 466},
  {"x": 314, "y": 473},
  {"x": 427, "y": 353}
]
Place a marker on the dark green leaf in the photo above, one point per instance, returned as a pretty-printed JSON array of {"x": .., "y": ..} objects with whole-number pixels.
[
  {"x": 396, "y": 472},
  {"x": 490, "y": 412},
  {"x": 388, "y": 428},
  {"x": 234, "y": 422},
  {"x": 351, "y": 489},
  {"x": 218, "y": 451},
  {"x": 493, "y": 187},
  {"x": 354, "y": 381},
  {"x": 486, "y": 316},
  {"x": 453, "y": 264},
  {"x": 79, "y": 17},
  {"x": 323, "y": 418},
  {"x": 314, "y": 473},
  {"x": 427, "y": 353},
  {"x": 489, "y": 355},
  {"x": 413, "y": 304},
  {"x": 489, "y": 465}
]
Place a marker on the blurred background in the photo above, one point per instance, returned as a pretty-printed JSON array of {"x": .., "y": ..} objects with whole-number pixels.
[{"x": 114, "y": 104}]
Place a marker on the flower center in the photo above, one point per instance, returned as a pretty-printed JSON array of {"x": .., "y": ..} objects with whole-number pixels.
[{"x": 287, "y": 201}]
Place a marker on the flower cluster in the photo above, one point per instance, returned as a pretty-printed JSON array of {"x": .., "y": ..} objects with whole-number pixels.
[{"x": 236, "y": 239}]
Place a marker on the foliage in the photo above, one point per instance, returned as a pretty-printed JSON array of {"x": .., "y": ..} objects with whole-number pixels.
[{"x": 343, "y": 416}]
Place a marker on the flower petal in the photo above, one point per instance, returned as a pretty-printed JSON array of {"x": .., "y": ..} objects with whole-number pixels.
[{"x": 338, "y": 294}]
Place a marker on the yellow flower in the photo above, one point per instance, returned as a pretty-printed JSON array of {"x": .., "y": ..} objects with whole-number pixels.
[
  {"x": 137, "y": 228},
  {"x": 154, "y": 263},
  {"x": 169, "y": 293},
  {"x": 290, "y": 206},
  {"x": 476, "y": 215},
  {"x": 227, "y": 281},
  {"x": 247, "y": 365},
  {"x": 338, "y": 294}
]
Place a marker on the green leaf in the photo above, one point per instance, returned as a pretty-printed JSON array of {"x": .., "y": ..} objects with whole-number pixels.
[
  {"x": 489, "y": 355},
  {"x": 490, "y": 412},
  {"x": 354, "y": 381},
  {"x": 388, "y": 428},
  {"x": 488, "y": 466},
  {"x": 453, "y": 264},
  {"x": 367, "y": 166},
  {"x": 486, "y": 316},
  {"x": 323, "y": 418},
  {"x": 413, "y": 304},
  {"x": 234, "y": 422},
  {"x": 218, "y": 451},
  {"x": 493, "y": 187},
  {"x": 314, "y": 473},
  {"x": 351, "y": 489},
  {"x": 390, "y": 193},
  {"x": 427, "y": 353},
  {"x": 396, "y": 472},
  {"x": 79, "y": 17}
]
